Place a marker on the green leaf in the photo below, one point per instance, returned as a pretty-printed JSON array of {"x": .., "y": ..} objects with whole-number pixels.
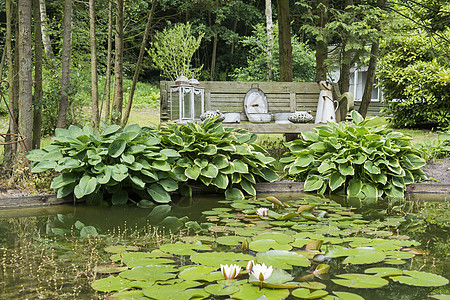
[
  {"x": 43, "y": 166},
  {"x": 193, "y": 172},
  {"x": 354, "y": 187},
  {"x": 116, "y": 148},
  {"x": 307, "y": 294},
  {"x": 248, "y": 187},
  {"x": 88, "y": 231},
  {"x": 346, "y": 169},
  {"x": 210, "y": 171},
  {"x": 221, "y": 181},
  {"x": 234, "y": 194},
  {"x": 357, "y": 118},
  {"x": 360, "y": 281},
  {"x": 336, "y": 181},
  {"x": 120, "y": 197},
  {"x": 239, "y": 166},
  {"x": 169, "y": 185},
  {"x": 110, "y": 283},
  {"x": 304, "y": 160},
  {"x": 161, "y": 165},
  {"x": 158, "y": 193},
  {"x": 313, "y": 183},
  {"x": 416, "y": 278}
]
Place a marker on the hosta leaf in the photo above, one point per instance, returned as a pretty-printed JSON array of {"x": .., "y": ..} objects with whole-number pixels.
[
  {"x": 158, "y": 193},
  {"x": 170, "y": 153},
  {"x": 116, "y": 148},
  {"x": 44, "y": 166},
  {"x": 357, "y": 118},
  {"x": 220, "y": 161},
  {"x": 325, "y": 166},
  {"x": 161, "y": 165},
  {"x": 313, "y": 183},
  {"x": 354, "y": 187},
  {"x": 169, "y": 185},
  {"x": 415, "y": 161},
  {"x": 310, "y": 136},
  {"x": 193, "y": 172},
  {"x": 234, "y": 194},
  {"x": 336, "y": 180},
  {"x": 346, "y": 169},
  {"x": 110, "y": 130},
  {"x": 137, "y": 181},
  {"x": 221, "y": 181},
  {"x": 304, "y": 160},
  {"x": 210, "y": 171},
  {"x": 202, "y": 163},
  {"x": 371, "y": 168},
  {"x": 63, "y": 180},
  {"x": 248, "y": 187},
  {"x": 239, "y": 166},
  {"x": 210, "y": 150}
]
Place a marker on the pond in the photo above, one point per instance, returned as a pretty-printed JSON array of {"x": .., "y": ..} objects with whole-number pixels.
[{"x": 319, "y": 248}]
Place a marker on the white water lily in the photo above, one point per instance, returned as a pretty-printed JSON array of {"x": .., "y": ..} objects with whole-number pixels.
[
  {"x": 250, "y": 265},
  {"x": 262, "y": 272},
  {"x": 231, "y": 271},
  {"x": 262, "y": 212}
]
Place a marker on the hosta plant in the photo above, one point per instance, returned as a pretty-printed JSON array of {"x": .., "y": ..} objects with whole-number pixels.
[
  {"x": 355, "y": 159},
  {"x": 117, "y": 164},
  {"x": 210, "y": 154}
]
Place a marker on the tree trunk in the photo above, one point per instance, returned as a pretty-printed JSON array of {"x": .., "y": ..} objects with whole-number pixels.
[
  {"x": 139, "y": 63},
  {"x": 65, "y": 65},
  {"x": 269, "y": 27},
  {"x": 108, "y": 67},
  {"x": 322, "y": 42},
  {"x": 213, "y": 57},
  {"x": 94, "y": 78},
  {"x": 37, "y": 99},
  {"x": 44, "y": 30},
  {"x": 367, "y": 96},
  {"x": 116, "y": 114},
  {"x": 25, "y": 73},
  {"x": 284, "y": 38},
  {"x": 233, "y": 42}
]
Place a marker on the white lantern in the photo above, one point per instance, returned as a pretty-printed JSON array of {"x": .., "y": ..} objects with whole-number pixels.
[{"x": 187, "y": 101}]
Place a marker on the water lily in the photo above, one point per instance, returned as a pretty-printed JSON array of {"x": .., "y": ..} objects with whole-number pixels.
[
  {"x": 262, "y": 212},
  {"x": 250, "y": 265},
  {"x": 262, "y": 272},
  {"x": 231, "y": 271}
]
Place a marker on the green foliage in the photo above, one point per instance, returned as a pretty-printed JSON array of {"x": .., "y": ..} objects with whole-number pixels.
[
  {"x": 433, "y": 149},
  {"x": 221, "y": 157},
  {"x": 142, "y": 164},
  {"x": 303, "y": 59},
  {"x": 415, "y": 81},
  {"x": 355, "y": 159},
  {"x": 172, "y": 50}
]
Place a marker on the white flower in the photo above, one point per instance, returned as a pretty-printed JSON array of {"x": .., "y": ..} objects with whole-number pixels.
[
  {"x": 250, "y": 265},
  {"x": 262, "y": 272},
  {"x": 262, "y": 212},
  {"x": 230, "y": 272}
]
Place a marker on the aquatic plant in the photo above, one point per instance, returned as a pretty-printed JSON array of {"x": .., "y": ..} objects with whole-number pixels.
[{"x": 355, "y": 159}]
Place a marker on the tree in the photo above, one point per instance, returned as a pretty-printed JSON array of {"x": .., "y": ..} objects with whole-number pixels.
[
  {"x": 65, "y": 65},
  {"x": 322, "y": 40},
  {"x": 107, "y": 93},
  {"x": 172, "y": 50},
  {"x": 38, "y": 57},
  {"x": 94, "y": 78},
  {"x": 269, "y": 27},
  {"x": 116, "y": 113},
  {"x": 284, "y": 41},
  {"x": 25, "y": 73},
  {"x": 44, "y": 31}
]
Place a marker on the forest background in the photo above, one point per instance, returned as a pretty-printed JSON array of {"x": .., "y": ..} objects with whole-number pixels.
[{"x": 60, "y": 57}]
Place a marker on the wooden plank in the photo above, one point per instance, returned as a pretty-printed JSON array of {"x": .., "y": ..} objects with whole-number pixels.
[
  {"x": 244, "y": 87},
  {"x": 292, "y": 102},
  {"x": 272, "y": 127}
]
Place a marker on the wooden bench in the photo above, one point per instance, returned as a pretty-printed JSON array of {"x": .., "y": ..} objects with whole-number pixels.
[{"x": 228, "y": 96}]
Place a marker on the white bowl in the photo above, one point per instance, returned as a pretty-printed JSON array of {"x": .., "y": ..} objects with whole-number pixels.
[
  {"x": 282, "y": 118},
  {"x": 232, "y": 117}
]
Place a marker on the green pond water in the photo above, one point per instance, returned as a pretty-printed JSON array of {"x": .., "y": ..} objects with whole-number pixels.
[{"x": 70, "y": 252}]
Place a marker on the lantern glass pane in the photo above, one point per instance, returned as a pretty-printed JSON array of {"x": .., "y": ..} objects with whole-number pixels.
[
  {"x": 198, "y": 105},
  {"x": 175, "y": 105},
  {"x": 187, "y": 108}
]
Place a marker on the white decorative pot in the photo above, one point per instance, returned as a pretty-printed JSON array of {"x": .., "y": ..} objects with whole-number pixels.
[
  {"x": 282, "y": 118},
  {"x": 232, "y": 117}
]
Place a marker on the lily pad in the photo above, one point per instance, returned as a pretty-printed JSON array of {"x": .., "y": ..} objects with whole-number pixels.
[
  {"x": 416, "y": 278},
  {"x": 277, "y": 279},
  {"x": 129, "y": 256},
  {"x": 266, "y": 245},
  {"x": 215, "y": 259},
  {"x": 369, "y": 257},
  {"x": 150, "y": 273},
  {"x": 307, "y": 294},
  {"x": 110, "y": 284},
  {"x": 384, "y": 272},
  {"x": 182, "y": 291},
  {"x": 229, "y": 240},
  {"x": 143, "y": 262},
  {"x": 282, "y": 259},
  {"x": 221, "y": 289},
  {"x": 121, "y": 248},
  {"x": 128, "y": 295},
  {"x": 360, "y": 281},
  {"x": 200, "y": 273},
  {"x": 343, "y": 296},
  {"x": 252, "y": 292},
  {"x": 313, "y": 285},
  {"x": 279, "y": 237},
  {"x": 180, "y": 248}
]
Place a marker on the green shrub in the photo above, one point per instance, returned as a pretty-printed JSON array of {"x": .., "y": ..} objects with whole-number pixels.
[
  {"x": 221, "y": 157},
  {"x": 437, "y": 148},
  {"x": 355, "y": 159},
  {"x": 143, "y": 164}
]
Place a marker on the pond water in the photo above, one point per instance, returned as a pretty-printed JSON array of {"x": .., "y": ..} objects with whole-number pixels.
[{"x": 55, "y": 252}]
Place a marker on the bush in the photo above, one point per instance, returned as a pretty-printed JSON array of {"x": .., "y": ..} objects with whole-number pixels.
[
  {"x": 143, "y": 164},
  {"x": 355, "y": 159}
]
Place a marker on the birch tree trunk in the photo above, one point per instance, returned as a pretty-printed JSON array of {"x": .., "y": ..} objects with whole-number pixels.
[
  {"x": 116, "y": 113},
  {"x": 138, "y": 64},
  {"x": 44, "y": 29},
  {"x": 25, "y": 73},
  {"x": 269, "y": 27},
  {"x": 284, "y": 38},
  {"x": 38, "y": 56},
  {"x": 65, "y": 65},
  {"x": 94, "y": 78}
]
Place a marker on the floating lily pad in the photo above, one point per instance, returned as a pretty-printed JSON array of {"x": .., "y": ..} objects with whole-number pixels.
[
  {"x": 180, "y": 248},
  {"x": 369, "y": 257},
  {"x": 109, "y": 269},
  {"x": 277, "y": 279},
  {"x": 241, "y": 205},
  {"x": 266, "y": 245},
  {"x": 399, "y": 254},
  {"x": 121, "y": 248},
  {"x": 280, "y": 238},
  {"x": 313, "y": 285},
  {"x": 360, "y": 281},
  {"x": 197, "y": 238},
  {"x": 229, "y": 240},
  {"x": 282, "y": 259},
  {"x": 416, "y": 278},
  {"x": 384, "y": 272},
  {"x": 182, "y": 291},
  {"x": 252, "y": 292},
  {"x": 143, "y": 262},
  {"x": 215, "y": 259},
  {"x": 200, "y": 273},
  {"x": 221, "y": 289},
  {"x": 128, "y": 295},
  {"x": 150, "y": 273},
  {"x": 307, "y": 294},
  {"x": 110, "y": 284},
  {"x": 394, "y": 262}
]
